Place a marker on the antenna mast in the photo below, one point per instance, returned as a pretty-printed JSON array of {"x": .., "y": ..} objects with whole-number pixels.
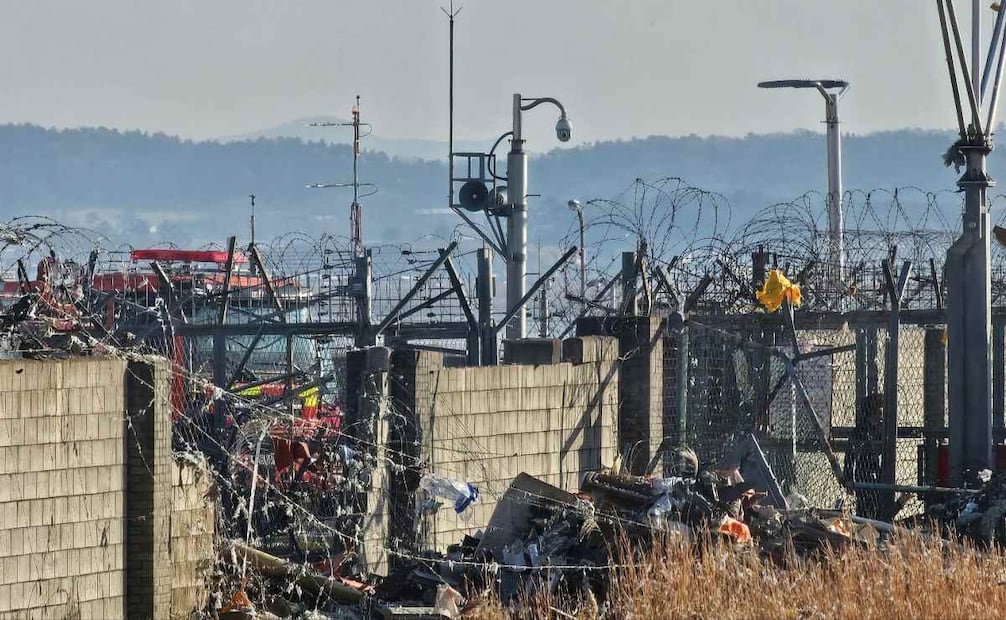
[
  {"x": 252, "y": 219},
  {"x": 355, "y": 212},
  {"x": 451, "y": 14}
]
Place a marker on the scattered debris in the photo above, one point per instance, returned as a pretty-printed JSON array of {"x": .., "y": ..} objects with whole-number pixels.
[{"x": 979, "y": 516}]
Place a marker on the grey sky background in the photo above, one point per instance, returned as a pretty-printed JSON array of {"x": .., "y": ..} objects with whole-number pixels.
[{"x": 211, "y": 68}]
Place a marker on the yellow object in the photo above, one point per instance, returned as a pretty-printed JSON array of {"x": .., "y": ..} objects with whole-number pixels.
[
  {"x": 777, "y": 289},
  {"x": 310, "y": 397},
  {"x": 252, "y": 392}
]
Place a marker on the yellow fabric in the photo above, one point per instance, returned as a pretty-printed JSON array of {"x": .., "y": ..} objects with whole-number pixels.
[
  {"x": 778, "y": 288},
  {"x": 310, "y": 397},
  {"x": 252, "y": 392}
]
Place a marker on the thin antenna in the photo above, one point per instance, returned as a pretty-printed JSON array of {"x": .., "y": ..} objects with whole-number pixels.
[
  {"x": 451, "y": 14},
  {"x": 252, "y": 196},
  {"x": 251, "y": 244},
  {"x": 355, "y": 210}
]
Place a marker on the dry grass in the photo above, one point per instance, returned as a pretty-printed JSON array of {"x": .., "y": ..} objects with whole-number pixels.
[{"x": 911, "y": 578}]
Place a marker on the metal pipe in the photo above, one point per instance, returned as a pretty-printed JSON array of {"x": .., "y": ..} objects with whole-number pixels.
[
  {"x": 228, "y": 269},
  {"x": 990, "y": 121},
  {"x": 583, "y": 250},
  {"x": 976, "y": 38},
  {"x": 996, "y": 32},
  {"x": 836, "y": 224},
  {"x": 517, "y": 226},
  {"x": 972, "y": 97},
  {"x": 910, "y": 488},
  {"x": 487, "y": 335},
  {"x": 949, "y": 55}
]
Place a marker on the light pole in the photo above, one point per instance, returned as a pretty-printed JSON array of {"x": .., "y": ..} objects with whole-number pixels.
[
  {"x": 516, "y": 258},
  {"x": 836, "y": 226},
  {"x": 575, "y": 206}
]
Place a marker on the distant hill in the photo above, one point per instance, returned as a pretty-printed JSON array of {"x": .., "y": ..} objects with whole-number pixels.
[
  {"x": 402, "y": 148},
  {"x": 145, "y": 187}
]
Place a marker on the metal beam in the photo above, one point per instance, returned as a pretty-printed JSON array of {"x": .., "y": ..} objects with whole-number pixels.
[
  {"x": 432, "y": 301},
  {"x": 244, "y": 360},
  {"x": 228, "y": 268},
  {"x": 452, "y": 329},
  {"x": 696, "y": 294},
  {"x": 512, "y": 312},
  {"x": 460, "y": 290},
  {"x": 604, "y": 291},
  {"x": 415, "y": 289},
  {"x": 267, "y": 280}
]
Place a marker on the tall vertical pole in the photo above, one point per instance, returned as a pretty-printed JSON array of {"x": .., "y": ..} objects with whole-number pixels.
[
  {"x": 355, "y": 212},
  {"x": 583, "y": 259},
  {"x": 362, "y": 292},
  {"x": 630, "y": 303},
  {"x": 516, "y": 226},
  {"x": 969, "y": 324},
  {"x": 450, "y": 109},
  {"x": 485, "y": 297},
  {"x": 542, "y": 301},
  {"x": 836, "y": 224}
]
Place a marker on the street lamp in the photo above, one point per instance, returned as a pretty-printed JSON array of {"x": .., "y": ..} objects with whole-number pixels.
[
  {"x": 575, "y": 206},
  {"x": 516, "y": 259},
  {"x": 836, "y": 227}
]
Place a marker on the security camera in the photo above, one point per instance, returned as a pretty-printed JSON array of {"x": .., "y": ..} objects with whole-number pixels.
[{"x": 563, "y": 130}]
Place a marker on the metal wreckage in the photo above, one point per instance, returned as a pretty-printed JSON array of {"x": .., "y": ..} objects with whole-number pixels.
[{"x": 298, "y": 508}]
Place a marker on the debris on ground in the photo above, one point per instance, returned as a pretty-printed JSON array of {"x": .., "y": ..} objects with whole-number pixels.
[
  {"x": 543, "y": 538},
  {"x": 976, "y": 515}
]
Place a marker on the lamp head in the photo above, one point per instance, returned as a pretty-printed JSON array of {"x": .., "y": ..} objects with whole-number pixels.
[
  {"x": 562, "y": 129},
  {"x": 574, "y": 205}
]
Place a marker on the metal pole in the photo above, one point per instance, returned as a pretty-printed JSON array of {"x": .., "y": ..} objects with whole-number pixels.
[
  {"x": 969, "y": 324},
  {"x": 836, "y": 224},
  {"x": 583, "y": 259},
  {"x": 485, "y": 297},
  {"x": 934, "y": 396},
  {"x": 288, "y": 391},
  {"x": 543, "y": 311},
  {"x": 888, "y": 473},
  {"x": 356, "y": 213},
  {"x": 682, "y": 386},
  {"x": 362, "y": 293},
  {"x": 516, "y": 226},
  {"x": 976, "y": 38},
  {"x": 630, "y": 303}
]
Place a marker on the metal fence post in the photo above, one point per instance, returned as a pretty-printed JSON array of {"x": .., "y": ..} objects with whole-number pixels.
[
  {"x": 889, "y": 466},
  {"x": 682, "y": 385},
  {"x": 934, "y": 402}
]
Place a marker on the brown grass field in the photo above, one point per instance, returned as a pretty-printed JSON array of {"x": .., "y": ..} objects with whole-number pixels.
[{"x": 912, "y": 577}]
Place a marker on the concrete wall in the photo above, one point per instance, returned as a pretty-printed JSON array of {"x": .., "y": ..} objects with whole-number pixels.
[
  {"x": 148, "y": 489},
  {"x": 486, "y": 425},
  {"x": 193, "y": 517},
  {"x": 86, "y": 474},
  {"x": 62, "y": 460}
]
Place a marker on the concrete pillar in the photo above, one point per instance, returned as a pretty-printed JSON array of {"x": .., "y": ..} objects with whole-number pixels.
[
  {"x": 532, "y": 351},
  {"x": 640, "y": 384},
  {"x": 147, "y": 497},
  {"x": 366, "y": 423},
  {"x": 409, "y": 391}
]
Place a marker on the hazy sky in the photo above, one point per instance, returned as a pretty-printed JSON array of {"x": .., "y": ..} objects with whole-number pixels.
[{"x": 205, "y": 68}]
